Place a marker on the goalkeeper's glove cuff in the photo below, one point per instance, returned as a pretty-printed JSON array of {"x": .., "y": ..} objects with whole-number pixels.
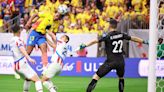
[
  {"x": 82, "y": 46},
  {"x": 145, "y": 42}
]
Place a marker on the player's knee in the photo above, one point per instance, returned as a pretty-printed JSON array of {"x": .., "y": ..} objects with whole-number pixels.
[{"x": 44, "y": 78}]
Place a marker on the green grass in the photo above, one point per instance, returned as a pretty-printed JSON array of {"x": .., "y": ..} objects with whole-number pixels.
[{"x": 76, "y": 84}]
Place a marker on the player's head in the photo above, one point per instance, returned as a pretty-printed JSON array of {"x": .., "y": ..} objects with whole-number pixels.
[
  {"x": 65, "y": 38},
  {"x": 113, "y": 23},
  {"x": 16, "y": 29}
]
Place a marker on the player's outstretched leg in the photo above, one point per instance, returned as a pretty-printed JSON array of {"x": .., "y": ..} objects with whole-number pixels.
[
  {"x": 93, "y": 83},
  {"x": 26, "y": 85},
  {"x": 38, "y": 83},
  {"x": 121, "y": 85}
]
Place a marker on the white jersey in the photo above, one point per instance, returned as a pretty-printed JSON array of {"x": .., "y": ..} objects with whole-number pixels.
[
  {"x": 15, "y": 44},
  {"x": 60, "y": 52}
]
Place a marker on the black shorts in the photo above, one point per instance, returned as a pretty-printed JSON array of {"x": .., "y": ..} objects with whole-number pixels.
[{"x": 107, "y": 66}]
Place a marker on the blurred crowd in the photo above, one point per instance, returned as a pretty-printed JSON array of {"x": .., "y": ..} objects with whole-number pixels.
[
  {"x": 84, "y": 16},
  {"x": 161, "y": 14}
]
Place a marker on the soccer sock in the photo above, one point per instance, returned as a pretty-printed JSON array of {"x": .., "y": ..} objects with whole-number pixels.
[
  {"x": 26, "y": 86},
  {"x": 121, "y": 85},
  {"x": 44, "y": 58},
  {"x": 92, "y": 85},
  {"x": 49, "y": 85},
  {"x": 38, "y": 86}
]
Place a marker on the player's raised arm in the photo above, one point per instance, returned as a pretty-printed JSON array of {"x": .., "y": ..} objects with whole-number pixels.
[
  {"x": 52, "y": 35},
  {"x": 92, "y": 43},
  {"x": 29, "y": 22},
  {"x": 139, "y": 40},
  {"x": 82, "y": 46},
  {"x": 52, "y": 44}
]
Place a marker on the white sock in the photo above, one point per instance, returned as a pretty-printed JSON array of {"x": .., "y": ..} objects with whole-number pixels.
[
  {"x": 26, "y": 86},
  {"x": 49, "y": 85},
  {"x": 38, "y": 86}
]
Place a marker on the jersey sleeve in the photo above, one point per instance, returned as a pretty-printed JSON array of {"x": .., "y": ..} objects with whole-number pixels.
[
  {"x": 19, "y": 43},
  {"x": 126, "y": 37},
  {"x": 102, "y": 39}
]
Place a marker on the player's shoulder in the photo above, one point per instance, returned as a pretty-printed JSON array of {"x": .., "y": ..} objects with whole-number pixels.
[
  {"x": 14, "y": 40},
  {"x": 118, "y": 32},
  {"x": 114, "y": 33}
]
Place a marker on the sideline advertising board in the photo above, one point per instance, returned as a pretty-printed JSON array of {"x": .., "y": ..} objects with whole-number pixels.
[{"x": 76, "y": 66}]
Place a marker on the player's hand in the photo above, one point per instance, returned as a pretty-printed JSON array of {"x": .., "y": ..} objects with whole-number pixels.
[
  {"x": 32, "y": 61},
  {"x": 146, "y": 42},
  {"x": 82, "y": 46}
]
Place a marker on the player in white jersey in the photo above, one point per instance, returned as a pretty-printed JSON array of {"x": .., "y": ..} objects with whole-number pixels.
[
  {"x": 55, "y": 67},
  {"x": 21, "y": 59}
]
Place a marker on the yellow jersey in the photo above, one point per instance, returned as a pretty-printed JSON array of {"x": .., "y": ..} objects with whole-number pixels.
[
  {"x": 1, "y": 22},
  {"x": 44, "y": 20},
  {"x": 161, "y": 10}
]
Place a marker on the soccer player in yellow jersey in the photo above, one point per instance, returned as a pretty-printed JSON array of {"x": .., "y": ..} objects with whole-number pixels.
[{"x": 37, "y": 34}]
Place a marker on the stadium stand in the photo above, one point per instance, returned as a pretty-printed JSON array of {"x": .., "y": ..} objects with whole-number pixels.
[{"x": 85, "y": 16}]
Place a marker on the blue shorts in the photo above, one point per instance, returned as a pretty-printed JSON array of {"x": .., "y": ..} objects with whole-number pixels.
[{"x": 35, "y": 38}]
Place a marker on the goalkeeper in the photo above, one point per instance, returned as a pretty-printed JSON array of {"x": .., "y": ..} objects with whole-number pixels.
[{"x": 114, "y": 50}]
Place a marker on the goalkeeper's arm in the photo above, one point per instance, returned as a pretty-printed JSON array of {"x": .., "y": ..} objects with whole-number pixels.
[
  {"x": 138, "y": 40},
  {"x": 82, "y": 46},
  {"x": 92, "y": 43}
]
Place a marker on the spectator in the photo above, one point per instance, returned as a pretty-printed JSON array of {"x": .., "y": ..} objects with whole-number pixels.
[
  {"x": 20, "y": 4},
  {"x": 82, "y": 53},
  {"x": 76, "y": 3},
  {"x": 7, "y": 13},
  {"x": 137, "y": 4},
  {"x": 161, "y": 9},
  {"x": 1, "y": 24},
  {"x": 28, "y": 3},
  {"x": 100, "y": 4}
]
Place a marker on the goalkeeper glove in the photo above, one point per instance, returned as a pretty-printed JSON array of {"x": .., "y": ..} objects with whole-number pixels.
[
  {"x": 82, "y": 46},
  {"x": 48, "y": 27},
  {"x": 145, "y": 42}
]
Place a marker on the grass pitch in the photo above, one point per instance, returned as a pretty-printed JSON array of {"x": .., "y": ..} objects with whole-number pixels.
[{"x": 76, "y": 84}]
